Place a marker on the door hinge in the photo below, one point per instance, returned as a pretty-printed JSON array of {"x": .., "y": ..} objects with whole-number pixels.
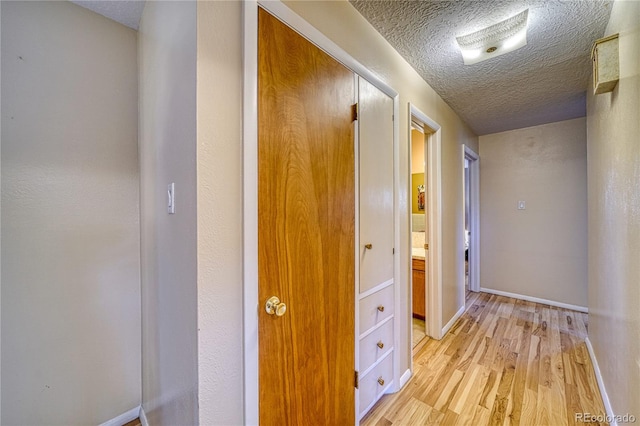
[
  {"x": 356, "y": 381},
  {"x": 393, "y": 250},
  {"x": 354, "y": 112},
  {"x": 426, "y": 246}
]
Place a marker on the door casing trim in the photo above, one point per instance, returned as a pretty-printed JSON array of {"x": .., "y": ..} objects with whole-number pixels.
[
  {"x": 474, "y": 216},
  {"x": 434, "y": 185},
  {"x": 251, "y": 304}
]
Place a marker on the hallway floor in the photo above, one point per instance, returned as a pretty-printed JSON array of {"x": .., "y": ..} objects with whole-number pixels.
[
  {"x": 505, "y": 361},
  {"x": 418, "y": 331}
]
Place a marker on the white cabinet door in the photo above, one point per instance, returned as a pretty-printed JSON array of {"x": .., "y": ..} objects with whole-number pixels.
[{"x": 375, "y": 127}]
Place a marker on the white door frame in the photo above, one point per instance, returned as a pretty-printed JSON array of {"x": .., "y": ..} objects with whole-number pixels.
[
  {"x": 252, "y": 305},
  {"x": 433, "y": 152},
  {"x": 474, "y": 213}
]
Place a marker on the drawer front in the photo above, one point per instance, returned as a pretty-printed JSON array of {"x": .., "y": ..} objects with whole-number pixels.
[
  {"x": 418, "y": 264},
  {"x": 370, "y": 352},
  {"x": 370, "y": 389},
  {"x": 375, "y": 308}
]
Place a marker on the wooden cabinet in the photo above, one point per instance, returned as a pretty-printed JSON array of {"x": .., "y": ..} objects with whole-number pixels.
[
  {"x": 418, "y": 288},
  {"x": 375, "y": 171},
  {"x": 376, "y": 232}
]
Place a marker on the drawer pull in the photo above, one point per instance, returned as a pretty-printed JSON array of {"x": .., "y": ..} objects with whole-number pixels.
[
  {"x": 381, "y": 381},
  {"x": 380, "y": 345},
  {"x": 381, "y": 308},
  {"x": 368, "y": 246}
]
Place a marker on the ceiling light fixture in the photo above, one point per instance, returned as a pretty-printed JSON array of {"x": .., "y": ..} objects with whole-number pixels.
[{"x": 496, "y": 40}]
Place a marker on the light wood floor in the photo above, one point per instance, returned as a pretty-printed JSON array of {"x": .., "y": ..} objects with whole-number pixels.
[
  {"x": 418, "y": 331},
  {"x": 504, "y": 362}
]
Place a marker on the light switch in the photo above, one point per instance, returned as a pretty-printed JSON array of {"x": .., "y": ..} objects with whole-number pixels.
[
  {"x": 521, "y": 205},
  {"x": 171, "y": 200}
]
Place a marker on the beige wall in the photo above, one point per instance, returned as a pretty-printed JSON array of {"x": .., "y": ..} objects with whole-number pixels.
[
  {"x": 613, "y": 126},
  {"x": 417, "y": 151},
  {"x": 417, "y": 168},
  {"x": 70, "y": 216},
  {"x": 167, "y": 144},
  {"x": 220, "y": 335},
  {"x": 540, "y": 251}
]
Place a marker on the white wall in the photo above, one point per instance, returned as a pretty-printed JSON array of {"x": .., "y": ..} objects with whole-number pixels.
[
  {"x": 220, "y": 356},
  {"x": 70, "y": 216},
  {"x": 613, "y": 126},
  {"x": 167, "y": 144},
  {"x": 540, "y": 251}
]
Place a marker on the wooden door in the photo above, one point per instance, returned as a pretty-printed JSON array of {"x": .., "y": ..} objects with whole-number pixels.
[
  {"x": 306, "y": 231},
  {"x": 375, "y": 124}
]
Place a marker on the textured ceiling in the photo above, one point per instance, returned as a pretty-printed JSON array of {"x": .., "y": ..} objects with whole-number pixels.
[
  {"x": 127, "y": 12},
  {"x": 543, "y": 82}
]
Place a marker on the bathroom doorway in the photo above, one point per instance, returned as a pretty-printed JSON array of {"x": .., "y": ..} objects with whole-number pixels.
[
  {"x": 424, "y": 245},
  {"x": 419, "y": 232}
]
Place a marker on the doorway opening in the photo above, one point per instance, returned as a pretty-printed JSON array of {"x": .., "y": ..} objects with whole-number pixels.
[
  {"x": 425, "y": 227},
  {"x": 419, "y": 232},
  {"x": 471, "y": 191}
]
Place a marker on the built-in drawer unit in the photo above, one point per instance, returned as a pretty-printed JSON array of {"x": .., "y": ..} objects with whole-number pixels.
[
  {"x": 376, "y": 246},
  {"x": 375, "y": 308},
  {"x": 376, "y": 345},
  {"x": 375, "y": 383}
]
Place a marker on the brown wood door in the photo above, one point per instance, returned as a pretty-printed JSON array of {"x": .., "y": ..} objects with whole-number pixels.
[{"x": 306, "y": 230}]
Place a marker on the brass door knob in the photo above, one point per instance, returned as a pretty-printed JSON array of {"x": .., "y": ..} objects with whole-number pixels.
[
  {"x": 381, "y": 308},
  {"x": 380, "y": 344},
  {"x": 275, "y": 307},
  {"x": 368, "y": 246},
  {"x": 381, "y": 381}
]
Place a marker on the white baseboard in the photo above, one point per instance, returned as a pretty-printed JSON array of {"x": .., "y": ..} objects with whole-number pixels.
[
  {"x": 123, "y": 418},
  {"x": 603, "y": 391},
  {"x": 536, "y": 300},
  {"x": 452, "y": 321},
  {"x": 143, "y": 417},
  {"x": 405, "y": 378}
]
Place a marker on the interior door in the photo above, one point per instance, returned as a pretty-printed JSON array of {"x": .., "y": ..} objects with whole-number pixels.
[{"x": 306, "y": 231}]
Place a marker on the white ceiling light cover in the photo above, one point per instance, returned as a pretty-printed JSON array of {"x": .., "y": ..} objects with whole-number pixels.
[{"x": 496, "y": 40}]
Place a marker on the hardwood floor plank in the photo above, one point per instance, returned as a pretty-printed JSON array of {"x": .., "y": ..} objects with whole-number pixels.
[
  {"x": 468, "y": 405},
  {"x": 533, "y": 366},
  {"x": 529, "y": 407},
  {"x": 520, "y": 374},
  {"x": 495, "y": 338},
  {"x": 573, "y": 403},
  {"x": 490, "y": 389},
  {"x": 464, "y": 389},
  {"x": 499, "y": 409},
  {"x": 450, "y": 418},
  {"x": 481, "y": 416},
  {"x": 505, "y": 362},
  {"x": 444, "y": 400}
]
